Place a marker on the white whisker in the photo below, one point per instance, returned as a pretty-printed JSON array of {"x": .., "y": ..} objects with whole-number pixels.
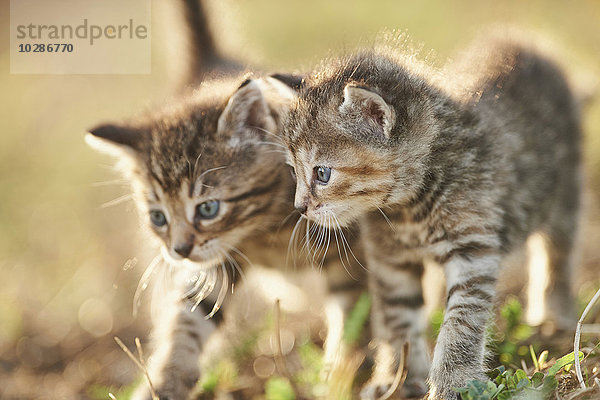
[
  {"x": 222, "y": 292},
  {"x": 337, "y": 243},
  {"x": 207, "y": 288},
  {"x": 309, "y": 236},
  {"x": 200, "y": 279},
  {"x": 272, "y": 144},
  {"x": 387, "y": 220},
  {"x": 190, "y": 177},
  {"x": 277, "y": 137},
  {"x": 328, "y": 242},
  {"x": 348, "y": 244},
  {"x": 320, "y": 242},
  {"x": 312, "y": 246},
  {"x": 143, "y": 283},
  {"x": 240, "y": 253},
  {"x": 121, "y": 182},
  {"x": 293, "y": 241},
  {"x": 118, "y": 200},
  {"x": 282, "y": 223},
  {"x": 196, "y": 163},
  {"x": 211, "y": 170},
  {"x": 235, "y": 266}
]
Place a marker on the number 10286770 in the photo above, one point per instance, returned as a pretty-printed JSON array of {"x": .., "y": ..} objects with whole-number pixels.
[{"x": 45, "y": 48}]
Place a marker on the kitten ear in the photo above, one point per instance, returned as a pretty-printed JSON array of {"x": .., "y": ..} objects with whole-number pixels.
[
  {"x": 113, "y": 138},
  {"x": 295, "y": 82},
  {"x": 280, "y": 91},
  {"x": 247, "y": 108},
  {"x": 367, "y": 107}
]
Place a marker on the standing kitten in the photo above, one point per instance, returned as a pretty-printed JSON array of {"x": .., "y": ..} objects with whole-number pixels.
[
  {"x": 211, "y": 177},
  {"x": 461, "y": 177}
]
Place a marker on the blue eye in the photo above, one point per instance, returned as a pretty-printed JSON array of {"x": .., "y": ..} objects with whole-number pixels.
[
  {"x": 208, "y": 209},
  {"x": 158, "y": 218},
  {"x": 322, "y": 174}
]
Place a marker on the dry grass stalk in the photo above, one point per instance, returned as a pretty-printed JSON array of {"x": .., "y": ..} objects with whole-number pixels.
[
  {"x": 578, "y": 338},
  {"x": 400, "y": 374},
  {"x": 278, "y": 353},
  {"x": 141, "y": 364}
]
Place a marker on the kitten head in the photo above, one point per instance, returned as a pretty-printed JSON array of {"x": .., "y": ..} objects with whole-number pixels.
[
  {"x": 207, "y": 171},
  {"x": 359, "y": 136}
]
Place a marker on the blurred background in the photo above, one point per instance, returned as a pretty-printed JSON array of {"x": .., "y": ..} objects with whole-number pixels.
[{"x": 71, "y": 256}]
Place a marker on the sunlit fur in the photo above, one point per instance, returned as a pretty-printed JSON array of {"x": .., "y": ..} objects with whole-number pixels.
[
  {"x": 220, "y": 143},
  {"x": 459, "y": 172}
]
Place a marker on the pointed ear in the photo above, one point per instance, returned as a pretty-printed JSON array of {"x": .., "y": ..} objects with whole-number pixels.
[
  {"x": 280, "y": 94},
  {"x": 247, "y": 108},
  {"x": 295, "y": 82},
  {"x": 369, "y": 109},
  {"x": 114, "y": 139}
]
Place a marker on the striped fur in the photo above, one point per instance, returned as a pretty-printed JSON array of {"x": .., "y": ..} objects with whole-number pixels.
[
  {"x": 456, "y": 172},
  {"x": 216, "y": 145}
]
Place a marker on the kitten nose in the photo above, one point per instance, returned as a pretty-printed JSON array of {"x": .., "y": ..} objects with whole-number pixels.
[
  {"x": 302, "y": 208},
  {"x": 184, "y": 250}
]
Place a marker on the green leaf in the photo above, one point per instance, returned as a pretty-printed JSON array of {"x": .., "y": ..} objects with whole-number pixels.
[
  {"x": 436, "y": 320},
  {"x": 210, "y": 381},
  {"x": 520, "y": 374},
  {"x": 356, "y": 320},
  {"x": 505, "y": 395},
  {"x": 549, "y": 386},
  {"x": 311, "y": 358},
  {"x": 534, "y": 357},
  {"x": 537, "y": 379},
  {"x": 278, "y": 388},
  {"x": 493, "y": 374},
  {"x": 542, "y": 358},
  {"x": 499, "y": 390},
  {"x": 223, "y": 374},
  {"x": 522, "y": 332},
  {"x": 511, "y": 312},
  {"x": 523, "y": 383},
  {"x": 562, "y": 362}
]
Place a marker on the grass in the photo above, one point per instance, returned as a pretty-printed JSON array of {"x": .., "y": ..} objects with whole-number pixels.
[
  {"x": 525, "y": 375},
  {"x": 61, "y": 252}
]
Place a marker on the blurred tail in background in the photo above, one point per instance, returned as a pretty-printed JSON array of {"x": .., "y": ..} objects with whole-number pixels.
[{"x": 205, "y": 58}]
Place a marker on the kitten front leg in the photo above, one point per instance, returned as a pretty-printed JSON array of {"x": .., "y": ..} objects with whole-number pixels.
[
  {"x": 460, "y": 349},
  {"x": 179, "y": 335},
  {"x": 344, "y": 291},
  {"x": 397, "y": 317}
]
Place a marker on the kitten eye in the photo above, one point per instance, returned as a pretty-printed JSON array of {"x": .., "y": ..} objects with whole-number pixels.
[
  {"x": 208, "y": 209},
  {"x": 158, "y": 218},
  {"x": 322, "y": 174}
]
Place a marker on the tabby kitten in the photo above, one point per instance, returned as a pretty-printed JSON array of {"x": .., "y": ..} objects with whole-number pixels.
[
  {"x": 457, "y": 173},
  {"x": 210, "y": 175}
]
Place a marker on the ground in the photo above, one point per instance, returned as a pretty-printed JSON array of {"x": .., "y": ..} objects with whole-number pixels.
[{"x": 70, "y": 266}]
